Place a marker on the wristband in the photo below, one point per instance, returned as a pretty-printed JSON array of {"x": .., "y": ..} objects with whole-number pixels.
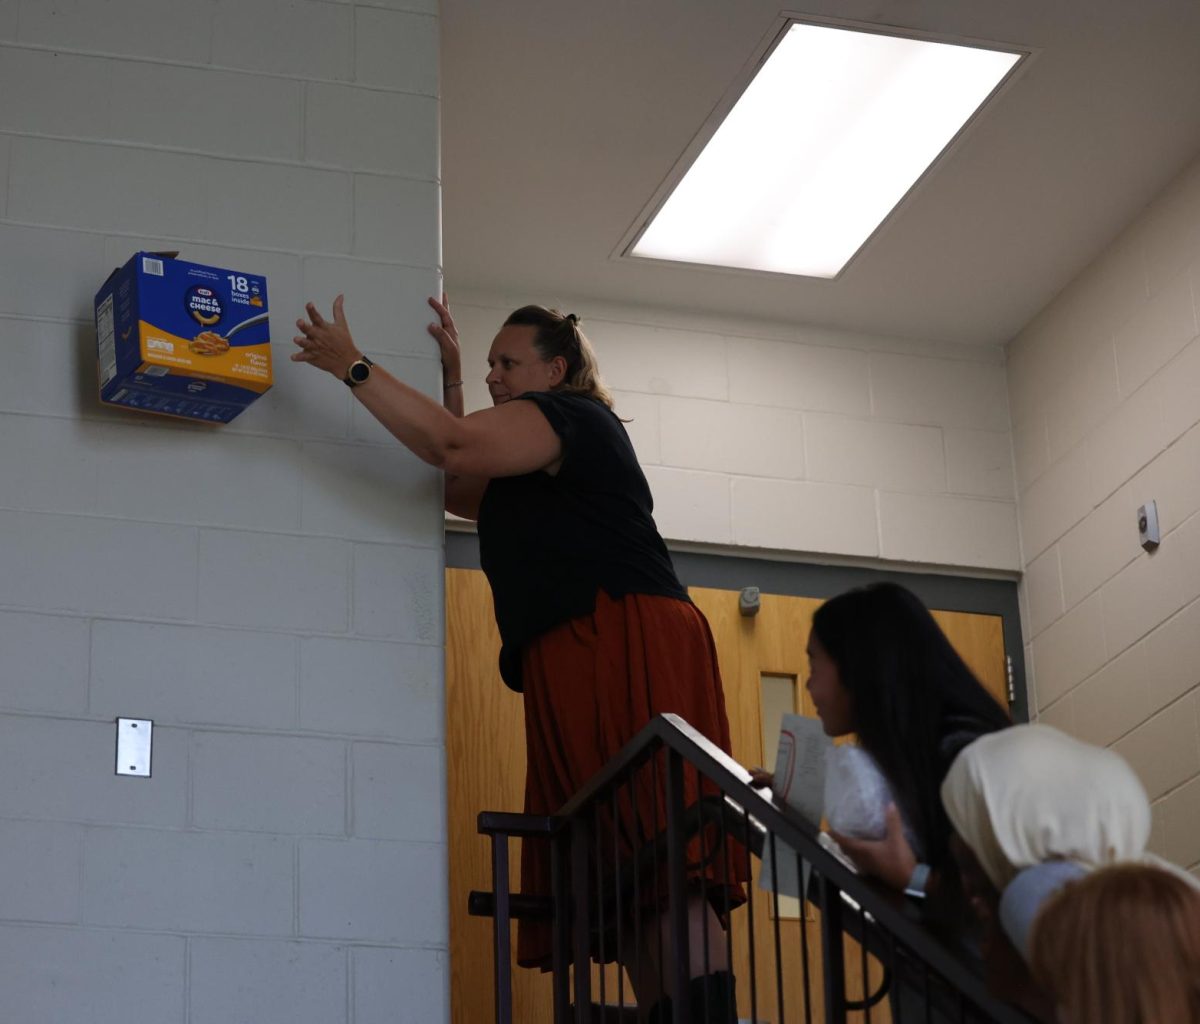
[
  {"x": 452, "y": 384},
  {"x": 918, "y": 881}
]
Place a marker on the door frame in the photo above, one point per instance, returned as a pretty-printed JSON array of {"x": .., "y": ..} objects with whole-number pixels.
[{"x": 807, "y": 579}]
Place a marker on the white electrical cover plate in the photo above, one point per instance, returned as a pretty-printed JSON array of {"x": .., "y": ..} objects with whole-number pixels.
[{"x": 133, "y": 746}]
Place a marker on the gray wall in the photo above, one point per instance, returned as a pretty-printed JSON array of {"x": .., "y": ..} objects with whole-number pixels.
[{"x": 270, "y": 592}]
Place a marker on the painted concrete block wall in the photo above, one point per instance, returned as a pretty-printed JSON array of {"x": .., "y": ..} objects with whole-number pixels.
[
  {"x": 269, "y": 592},
  {"x": 791, "y": 439},
  {"x": 1105, "y": 389}
]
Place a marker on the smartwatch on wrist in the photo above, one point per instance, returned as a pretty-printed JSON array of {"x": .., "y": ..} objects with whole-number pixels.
[
  {"x": 358, "y": 373},
  {"x": 918, "y": 881}
]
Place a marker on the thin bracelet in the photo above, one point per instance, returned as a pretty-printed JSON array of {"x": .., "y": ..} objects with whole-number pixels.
[{"x": 452, "y": 384}]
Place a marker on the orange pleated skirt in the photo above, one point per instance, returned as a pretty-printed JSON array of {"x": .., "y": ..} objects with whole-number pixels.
[{"x": 590, "y": 685}]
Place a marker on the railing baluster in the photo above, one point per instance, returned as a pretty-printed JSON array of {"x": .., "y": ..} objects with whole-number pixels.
[
  {"x": 501, "y": 930},
  {"x": 596, "y": 836},
  {"x": 677, "y": 895},
  {"x": 780, "y": 1011},
  {"x": 897, "y": 982},
  {"x": 704, "y": 862},
  {"x": 804, "y": 950},
  {"x": 560, "y": 936},
  {"x": 726, "y": 883},
  {"x": 579, "y": 886},
  {"x": 658, "y": 907},
  {"x": 750, "y": 923},
  {"x": 864, "y": 965},
  {"x": 618, "y": 903},
  {"x": 635, "y": 810},
  {"x": 833, "y": 964}
]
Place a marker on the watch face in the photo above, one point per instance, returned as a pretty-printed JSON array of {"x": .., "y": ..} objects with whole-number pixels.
[{"x": 359, "y": 372}]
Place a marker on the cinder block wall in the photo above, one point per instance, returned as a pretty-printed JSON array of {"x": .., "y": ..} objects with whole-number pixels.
[
  {"x": 270, "y": 592},
  {"x": 793, "y": 439},
  {"x": 1105, "y": 390}
]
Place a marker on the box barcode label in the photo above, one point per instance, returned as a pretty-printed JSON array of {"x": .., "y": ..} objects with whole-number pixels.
[
  {"x": 152, "y": 267},
  {"x": 156, "y": 371},
  {"x": 107, "y": 341}
]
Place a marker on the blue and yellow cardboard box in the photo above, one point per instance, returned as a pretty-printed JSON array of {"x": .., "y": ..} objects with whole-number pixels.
[{"x": 182, "y": 339}]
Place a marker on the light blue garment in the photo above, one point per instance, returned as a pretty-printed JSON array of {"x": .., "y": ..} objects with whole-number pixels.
[{"x": 1024, "y": 895}]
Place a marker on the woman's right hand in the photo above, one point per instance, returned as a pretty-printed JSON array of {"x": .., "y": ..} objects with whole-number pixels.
[{"x": 446, "y": 335}]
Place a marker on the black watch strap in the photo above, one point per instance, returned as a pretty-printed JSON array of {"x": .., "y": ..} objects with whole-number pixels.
[{"x": 358, "y": 373}]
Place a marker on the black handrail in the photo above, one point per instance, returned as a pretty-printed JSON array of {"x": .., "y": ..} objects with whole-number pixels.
[{"x": 891, "y": 911}]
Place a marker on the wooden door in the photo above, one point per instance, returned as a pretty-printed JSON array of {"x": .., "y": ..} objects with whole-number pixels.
[
  {"x": 486, "y": 770},
  {"x": 773, "y": 643}
]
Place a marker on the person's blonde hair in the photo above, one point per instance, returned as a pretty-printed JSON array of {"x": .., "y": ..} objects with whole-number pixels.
[
  {"x": 1121, "y": 946},
  {"x": 559, "y": 334}
]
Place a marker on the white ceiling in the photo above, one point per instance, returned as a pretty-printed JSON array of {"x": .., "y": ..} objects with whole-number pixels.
[{"x": 561, "y": 119}]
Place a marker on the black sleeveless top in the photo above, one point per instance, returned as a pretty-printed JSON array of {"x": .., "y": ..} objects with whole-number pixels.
[{"x": 548, "y": 543}]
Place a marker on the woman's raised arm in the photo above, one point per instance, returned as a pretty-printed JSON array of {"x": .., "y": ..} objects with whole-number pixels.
[
  {"x": 462, "y": 493},
  {"x": 508, "y": 440}
]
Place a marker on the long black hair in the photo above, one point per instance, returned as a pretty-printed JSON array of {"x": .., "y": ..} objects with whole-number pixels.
[{"x": 915, "y": 702}]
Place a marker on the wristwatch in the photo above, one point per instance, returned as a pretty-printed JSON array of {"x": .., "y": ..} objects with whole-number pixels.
[
  {"x": 358, "y": 373},
  {"x": 919, "y": 882}
]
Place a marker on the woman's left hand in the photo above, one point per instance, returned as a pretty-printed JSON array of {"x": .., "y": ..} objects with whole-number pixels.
[
  {"x": 445, "y": 333},
  {"x": 889, "y": 859},
  {"x": 325, "y": 344}
]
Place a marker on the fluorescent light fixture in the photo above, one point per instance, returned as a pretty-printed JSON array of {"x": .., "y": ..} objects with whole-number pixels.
[{"x": 828, "y": 137}]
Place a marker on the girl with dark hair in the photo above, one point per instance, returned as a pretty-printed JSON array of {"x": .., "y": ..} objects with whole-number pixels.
[
  {"x": 598, "y": 634},
  {"x": 880, "y": 667}
]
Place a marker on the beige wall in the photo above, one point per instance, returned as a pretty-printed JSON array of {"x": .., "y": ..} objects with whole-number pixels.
[
  {"x": 1105, "y": 397},
  {"x": 793, "y": 439}
]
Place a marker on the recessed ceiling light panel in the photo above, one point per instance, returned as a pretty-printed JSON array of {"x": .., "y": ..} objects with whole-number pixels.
[{"x": 831, "y": 133}]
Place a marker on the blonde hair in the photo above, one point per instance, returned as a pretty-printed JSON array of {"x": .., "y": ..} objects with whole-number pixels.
[
  {"x": 559, "y": 334},
  {"x": 1121, "y": 946}
]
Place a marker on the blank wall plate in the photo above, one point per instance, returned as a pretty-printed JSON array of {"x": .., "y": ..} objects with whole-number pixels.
[{"x": 134, "y": 740}]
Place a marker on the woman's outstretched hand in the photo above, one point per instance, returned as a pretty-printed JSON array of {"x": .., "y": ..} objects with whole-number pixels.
[
  {"x": 326, "y": 344},
  {"x": 446, "y": 335},
  {"x": 889, "y": 859}
]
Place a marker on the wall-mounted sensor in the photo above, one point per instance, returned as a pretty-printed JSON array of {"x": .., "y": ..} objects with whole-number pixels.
[
  {"x": 1147, "y": 517},
  {"x": 749, "y": 601}
]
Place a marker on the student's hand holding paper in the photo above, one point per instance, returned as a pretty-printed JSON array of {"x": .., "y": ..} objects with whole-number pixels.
[{"x": 760, "y": 778}]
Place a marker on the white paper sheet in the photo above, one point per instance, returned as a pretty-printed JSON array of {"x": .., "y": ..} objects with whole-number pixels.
[{"x": 800, "y": 783}]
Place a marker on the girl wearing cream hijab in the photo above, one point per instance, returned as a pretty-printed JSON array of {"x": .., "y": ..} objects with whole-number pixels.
[
  {"x": 1031, "y": 794},
  {"x": 1031, "y": 800}
]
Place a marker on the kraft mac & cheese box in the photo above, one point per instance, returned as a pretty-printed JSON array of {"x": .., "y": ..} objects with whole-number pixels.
[{"x": 182, "y": 339}]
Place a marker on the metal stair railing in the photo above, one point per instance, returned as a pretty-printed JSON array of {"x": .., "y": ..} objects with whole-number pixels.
[{"x": 925, "y": 979}]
